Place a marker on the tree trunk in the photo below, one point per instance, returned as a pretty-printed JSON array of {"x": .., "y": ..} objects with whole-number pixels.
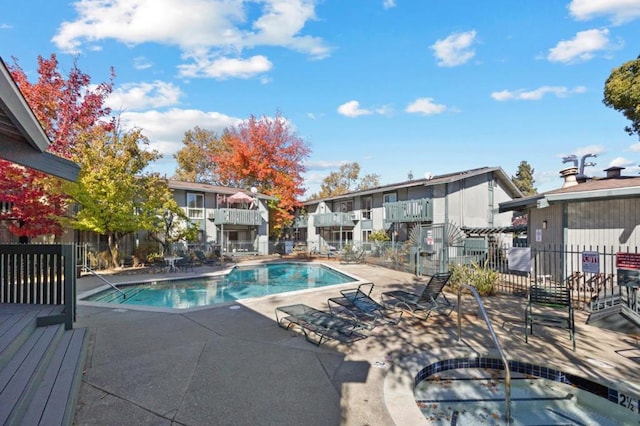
[{"x": 114, "y": 249}]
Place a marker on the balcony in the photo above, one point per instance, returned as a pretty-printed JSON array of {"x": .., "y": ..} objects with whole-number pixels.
[
  {"x": 409, "y": 211},
  {"x": 333, "y": 219},
  {"x": 236, "y": 217},
  {"x": 300, "y": 222}
]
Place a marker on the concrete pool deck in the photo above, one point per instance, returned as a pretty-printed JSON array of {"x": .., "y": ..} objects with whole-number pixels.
[{"x": 233, "y": 365}]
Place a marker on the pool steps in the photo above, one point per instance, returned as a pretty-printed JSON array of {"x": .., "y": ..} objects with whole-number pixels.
[
  {"x": 127, "y": 293},
  {"x": 40, "y": 366}
]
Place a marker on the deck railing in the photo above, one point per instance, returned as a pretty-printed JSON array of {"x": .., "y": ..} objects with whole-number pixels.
[
  {"x": 39, "y": 274},
  {"x": 236, "y": 217}
]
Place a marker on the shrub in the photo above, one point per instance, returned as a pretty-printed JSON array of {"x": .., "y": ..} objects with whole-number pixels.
[{"x": 484, "y": 279}]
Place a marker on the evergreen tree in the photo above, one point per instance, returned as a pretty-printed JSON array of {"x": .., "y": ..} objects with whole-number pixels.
[{"x": 524, "y": 179}]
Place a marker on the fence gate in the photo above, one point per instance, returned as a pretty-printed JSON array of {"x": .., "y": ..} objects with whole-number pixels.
[{"x": 434, "y": 247}]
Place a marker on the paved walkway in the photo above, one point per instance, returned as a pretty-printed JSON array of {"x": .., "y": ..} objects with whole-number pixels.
[{"x": 232, "y": 365}]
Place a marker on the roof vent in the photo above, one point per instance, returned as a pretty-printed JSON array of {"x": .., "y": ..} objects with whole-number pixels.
[
  {"x": 614, "y": 172},
  {"x": 569, "y": 175}
]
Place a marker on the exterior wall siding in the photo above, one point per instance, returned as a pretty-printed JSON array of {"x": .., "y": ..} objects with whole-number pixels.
[
  {"x": 554, "y": 231},
  {"x": 612, "y": 223}
]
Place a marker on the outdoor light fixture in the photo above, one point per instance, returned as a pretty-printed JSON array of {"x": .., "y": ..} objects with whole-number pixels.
[{"x": 544, "y": 224}]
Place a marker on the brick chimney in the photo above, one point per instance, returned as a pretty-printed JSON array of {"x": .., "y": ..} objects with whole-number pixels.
[
  {"x": 569, "y": 174},
  {"x": 614, "y": 172}
]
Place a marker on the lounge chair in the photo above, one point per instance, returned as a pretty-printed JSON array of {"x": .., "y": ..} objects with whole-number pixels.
[
  {"x": 204, "y": 259},
  {"x": 319, "y": 324},
  {"x": 431, "y": 299},
  {"x": 358, "y": 302}
]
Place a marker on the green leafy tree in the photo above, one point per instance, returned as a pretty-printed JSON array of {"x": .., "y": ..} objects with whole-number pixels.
[
  {"x": 344, "y": 180},
  {"x": 173, "y": 225},
  {"x": 115, "y": 196},
  {"x": 194, "y": 158},
  {"x": 622, "y": 93},
  {"x": 524, "y": 179}
]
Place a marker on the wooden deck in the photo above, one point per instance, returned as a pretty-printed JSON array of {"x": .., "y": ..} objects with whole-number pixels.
[{"x": 41, "y": 365}]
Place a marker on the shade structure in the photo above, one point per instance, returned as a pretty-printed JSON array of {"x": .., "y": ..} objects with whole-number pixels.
[{"x": 239, "y": 198}]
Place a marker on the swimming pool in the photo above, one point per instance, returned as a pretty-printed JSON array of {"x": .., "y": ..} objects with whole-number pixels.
[{"x": 242, "y": 282}]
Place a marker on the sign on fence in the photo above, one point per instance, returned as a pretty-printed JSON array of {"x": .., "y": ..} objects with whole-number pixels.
[
  {"x": 628, "y": 260},
  {"x": 519, "y": 259},
  {"x": 591, "y": 262}
]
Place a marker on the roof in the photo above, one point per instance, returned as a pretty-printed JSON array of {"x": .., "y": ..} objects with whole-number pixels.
[
  {"x": 22, "y": 139},
  {"x": 432, "y": 181},
  {"x": 214, "y": 189},
  {"x": 594, "y": 189}
]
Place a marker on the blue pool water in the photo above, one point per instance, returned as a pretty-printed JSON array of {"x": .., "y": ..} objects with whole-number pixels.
[
  {"x": 471, "y": 392},
  {"x": 240, "y": 283}
]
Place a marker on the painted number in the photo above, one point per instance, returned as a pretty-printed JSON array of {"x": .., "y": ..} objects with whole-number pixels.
[{"x": 628, "y": 402}]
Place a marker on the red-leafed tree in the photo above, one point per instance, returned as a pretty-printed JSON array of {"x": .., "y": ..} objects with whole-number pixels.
[
  {"x": 65, "y": 107},
  {"x": 264, "y": 153}
]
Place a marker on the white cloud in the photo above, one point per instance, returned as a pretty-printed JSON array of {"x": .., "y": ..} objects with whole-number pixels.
[
  {"x": 635, "y": 147},
  {"x": 324, "y": 164},
  {"x": 5, "y": 27},
  {"x": 590, "y": 149},
  {"x": 388, "y": 4},
  {"x": 166, "y": 129},
  {"x": 138, "y": 96},
  {"x": 425, "y": 106},
  {"x": 537, "y": 94},
  {"x": 222, "y": 68},
  {"x": 201, "y": 29},
  {"x": 352, "y": 109},
  {"x": 455, "y": 50},
  {"x": 582, "y": 47},
  {"x": 620, "y": 11},
  {"x": 141, "y": 63},
  {"x": 621, "y": 162}
]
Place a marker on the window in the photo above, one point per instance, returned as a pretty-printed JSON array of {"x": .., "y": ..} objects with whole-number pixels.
[
  {"x": 367, "y": 204},
  {"x": 346, "y": 206},
  {"x": 391, "y": 197},
  {"x": 195, "y": 206}
]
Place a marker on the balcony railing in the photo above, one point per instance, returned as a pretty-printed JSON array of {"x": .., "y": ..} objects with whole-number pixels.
[
  {"x": 300, "y": 222},
  {"x": 236, "y": 217},
  {"x": 409, "y": 211},
  {"x": 333, "y": 219}
]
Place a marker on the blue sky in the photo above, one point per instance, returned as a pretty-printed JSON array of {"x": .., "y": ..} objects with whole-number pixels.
[{"x": 399, "y": 86}]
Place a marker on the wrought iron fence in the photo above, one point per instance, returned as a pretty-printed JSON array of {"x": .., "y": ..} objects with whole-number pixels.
[{"x": 590, "y": 272}]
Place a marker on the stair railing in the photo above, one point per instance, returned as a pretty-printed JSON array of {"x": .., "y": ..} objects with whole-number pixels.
[
  {"x": 95, "y": 274},
  {"x": 507, "y": 370}
]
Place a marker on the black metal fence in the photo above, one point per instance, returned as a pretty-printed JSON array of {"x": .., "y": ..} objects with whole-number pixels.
[
  {"x": 590, "y": 272},
  {"x": 43, "y": 274}
]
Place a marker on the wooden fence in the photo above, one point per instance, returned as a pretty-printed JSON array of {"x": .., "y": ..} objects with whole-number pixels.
[{"x": 39, "y": 274}]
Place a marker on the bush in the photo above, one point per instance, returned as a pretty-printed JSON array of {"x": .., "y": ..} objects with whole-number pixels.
[{"x": 484, "y": 279}]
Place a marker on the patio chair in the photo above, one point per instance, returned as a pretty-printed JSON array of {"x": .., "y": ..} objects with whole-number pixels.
[
  {"x": 318, "y": 325},
  {"x": 184, "y": 263},
  {"x": 352, "y": 256},
  {"x": 431, "y": 299},
  {"x": 359, "y": 303},
  {"x": 202, "y": 258},
  {"x": 550, "y": 305}
]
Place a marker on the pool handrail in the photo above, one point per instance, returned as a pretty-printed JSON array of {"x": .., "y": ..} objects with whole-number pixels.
[
  {"x": 496, "y": 342},
  {"x": 95, "y": 274}
]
